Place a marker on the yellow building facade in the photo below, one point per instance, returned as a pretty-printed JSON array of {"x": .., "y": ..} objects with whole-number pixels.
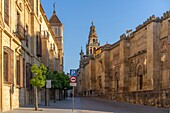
[{"x": 25, "y": 36}]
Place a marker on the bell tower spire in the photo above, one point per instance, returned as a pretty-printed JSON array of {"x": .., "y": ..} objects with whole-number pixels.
[
  {"x": 81, "y": 53},
  {"x": 93, "y": 43}
]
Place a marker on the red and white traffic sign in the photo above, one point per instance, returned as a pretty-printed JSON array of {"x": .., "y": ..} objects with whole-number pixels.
[{"x": 73, "y": 79}]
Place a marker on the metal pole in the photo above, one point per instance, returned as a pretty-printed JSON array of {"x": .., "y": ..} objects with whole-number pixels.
[{"x": 73, "y": 99}]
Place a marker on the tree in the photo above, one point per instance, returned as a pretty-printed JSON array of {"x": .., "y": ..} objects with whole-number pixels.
[
  {"x": 58, "y": 81},
  {"x": 38, "y": 80}
]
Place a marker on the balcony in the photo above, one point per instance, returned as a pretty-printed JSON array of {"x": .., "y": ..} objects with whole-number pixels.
[{"x": 20, "y": 32}]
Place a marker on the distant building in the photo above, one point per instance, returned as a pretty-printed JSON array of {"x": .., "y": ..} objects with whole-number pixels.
[{"x": 135, "y": 69}]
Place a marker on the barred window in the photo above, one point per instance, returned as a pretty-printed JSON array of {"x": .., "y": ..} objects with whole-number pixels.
[
  {"x": 8, "y": 65},
  {"x": 19, "y": 71},
  {"x": 6, "y": 11}
]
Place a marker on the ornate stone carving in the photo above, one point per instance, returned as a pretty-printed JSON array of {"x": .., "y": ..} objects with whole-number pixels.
[
  {"x": 1, "y": 21},
  {"x": 19, "y": 4}
]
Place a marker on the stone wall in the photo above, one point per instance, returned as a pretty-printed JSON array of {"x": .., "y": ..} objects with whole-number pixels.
[
  {"x": 6, "y": 98},
  {"x": 136, "y": 68},
  {"x": 150, "y": 98}
]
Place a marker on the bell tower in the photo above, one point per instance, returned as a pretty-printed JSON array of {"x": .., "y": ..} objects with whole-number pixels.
[
  {"x": 58, "y": 29},
  {"x": 93, "y": 43}
]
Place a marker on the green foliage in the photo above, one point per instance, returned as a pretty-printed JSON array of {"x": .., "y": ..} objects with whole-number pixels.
[
  {"x": 58, "y": 80},
  {"x": 39, "y": 78}
]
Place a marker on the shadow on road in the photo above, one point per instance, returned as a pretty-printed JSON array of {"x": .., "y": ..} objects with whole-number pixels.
[{"x": 93, "y": 105}]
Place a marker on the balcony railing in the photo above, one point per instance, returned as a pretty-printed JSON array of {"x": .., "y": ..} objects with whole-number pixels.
[{"x": 20, "y": 31}]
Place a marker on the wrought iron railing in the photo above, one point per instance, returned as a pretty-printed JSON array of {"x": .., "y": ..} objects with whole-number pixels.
[{"x": 20, "y": 31}]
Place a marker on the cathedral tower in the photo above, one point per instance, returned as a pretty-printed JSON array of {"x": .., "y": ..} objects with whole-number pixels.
[
  {"x": 58, "y": 28},
  {"x": 93, "y": 43}
]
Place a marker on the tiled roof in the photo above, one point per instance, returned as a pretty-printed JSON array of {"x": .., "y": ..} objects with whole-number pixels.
[{"x": 54, "y": 19}]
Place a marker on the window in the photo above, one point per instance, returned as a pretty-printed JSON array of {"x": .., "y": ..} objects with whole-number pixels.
[
  {"x": 8, "y": 65},
  {"x": 20, "y": 32},
  {"x": 28, "y": 76},
  {"x": 93, "y": 40},
  {"x": 54, "y": 46},
  {"x": 59, "y": 34},
  {"x": 38, "y": 45},
  {"x": 90, "y": 50},
  {"x": 51, "y": 46},
  {"x": 18, "y": 71},
  {"x": 26, "y": 36},
  {"x": 6, "y": 11},
  {"x": 57, "y": 31},
  {"x": 23, "y": 72},
  {"x": 5, "y": 66}
]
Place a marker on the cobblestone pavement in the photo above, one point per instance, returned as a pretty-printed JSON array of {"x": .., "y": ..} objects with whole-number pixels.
[{"x": 90, "y": 105}]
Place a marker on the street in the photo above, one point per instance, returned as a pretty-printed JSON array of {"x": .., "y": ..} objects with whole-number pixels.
[{"x": 90, "y": 105}]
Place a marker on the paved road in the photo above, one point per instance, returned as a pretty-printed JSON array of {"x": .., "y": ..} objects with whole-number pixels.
[{"x": 91, "y": 105}]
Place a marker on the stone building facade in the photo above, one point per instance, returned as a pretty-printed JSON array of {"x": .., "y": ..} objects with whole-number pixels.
[
  {"x": 135, "y": 69},
  {"x": 23, "y": 40},
  {"x": 58, "y": 28}
]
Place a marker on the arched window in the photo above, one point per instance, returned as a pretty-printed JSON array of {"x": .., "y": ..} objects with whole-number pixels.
[
  {"x": 93, "y": 41},
  {"x": 90, "y": 50}
]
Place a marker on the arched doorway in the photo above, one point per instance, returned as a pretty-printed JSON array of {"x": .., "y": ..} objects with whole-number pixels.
[{"x": 139, "y": 94}]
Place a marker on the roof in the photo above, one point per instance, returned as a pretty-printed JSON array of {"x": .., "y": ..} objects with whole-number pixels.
[{"x": 54, "y": 19}]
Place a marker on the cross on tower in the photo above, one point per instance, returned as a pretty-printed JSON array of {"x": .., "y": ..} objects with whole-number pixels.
[{"x": 54, "y": 6}]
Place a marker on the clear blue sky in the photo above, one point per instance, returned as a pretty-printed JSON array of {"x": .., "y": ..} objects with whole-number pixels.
[{"x": 111, "y": 18}]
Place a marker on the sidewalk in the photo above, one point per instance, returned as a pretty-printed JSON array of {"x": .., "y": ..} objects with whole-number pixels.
[{"x": 53, "y": 108}]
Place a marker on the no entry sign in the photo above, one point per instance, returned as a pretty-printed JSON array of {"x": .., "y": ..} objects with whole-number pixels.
[{"x": 73, "y": 79}]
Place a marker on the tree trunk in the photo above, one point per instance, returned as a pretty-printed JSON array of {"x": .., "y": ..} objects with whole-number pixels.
[
  {"x": 36, "y": 98},
  {"x": 45, "y": 97}
]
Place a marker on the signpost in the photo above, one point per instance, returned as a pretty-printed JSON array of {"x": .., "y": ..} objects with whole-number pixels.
[
  {"x": 73, "y": 82},
  {"x": 48, "y": 85},
  {"x": 73, "y": 72}
]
